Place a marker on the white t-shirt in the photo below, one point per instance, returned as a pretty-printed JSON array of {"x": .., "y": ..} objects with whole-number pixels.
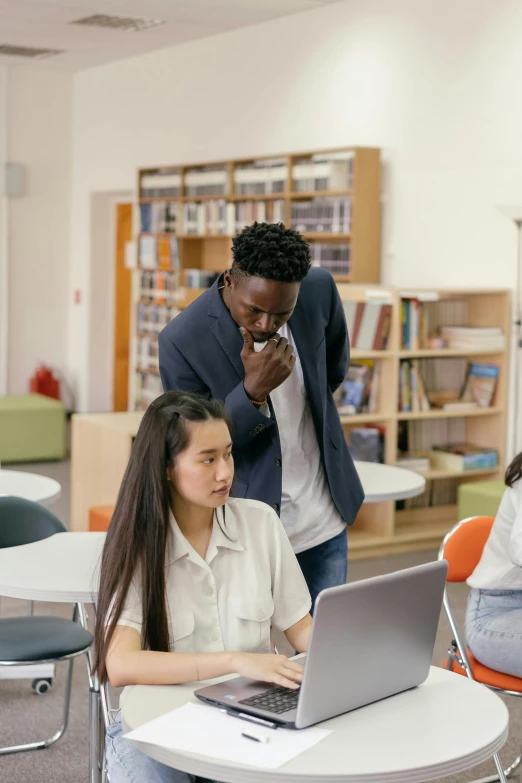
[
  {"x": 500, "y": 567},
  {"x": 308, "y": 512}
]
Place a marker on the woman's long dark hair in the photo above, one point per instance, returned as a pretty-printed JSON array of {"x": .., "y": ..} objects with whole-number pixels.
[
  {"x": 514, "y": 471},
  {"x": 137, "y": 535}
]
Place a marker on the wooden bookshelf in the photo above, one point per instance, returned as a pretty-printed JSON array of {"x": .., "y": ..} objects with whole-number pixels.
[
  {"x": 203, "y": 245},
  {"x": 380, "y": 529}
]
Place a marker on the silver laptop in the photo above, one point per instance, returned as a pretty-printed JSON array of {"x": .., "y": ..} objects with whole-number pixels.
[{"x": 370, "y": 640}]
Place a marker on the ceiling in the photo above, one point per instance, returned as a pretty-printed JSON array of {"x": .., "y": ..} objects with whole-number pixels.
[{"x": 47, "y": 24}]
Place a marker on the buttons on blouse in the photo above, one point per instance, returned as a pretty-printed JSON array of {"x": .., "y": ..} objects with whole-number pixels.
[
  {"x": 214, "y": 636},
  {"x": 210, "y": 591}
]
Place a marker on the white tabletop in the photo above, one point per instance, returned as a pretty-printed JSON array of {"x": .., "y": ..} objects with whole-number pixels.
[
  {"x": 31, "y": 486},
  {"x": 409, "y": 738},
  {"x": 61, "y": 568},
  {"x": 387, "y": 482}
]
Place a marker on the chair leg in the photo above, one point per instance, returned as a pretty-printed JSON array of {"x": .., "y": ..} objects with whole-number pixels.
[{"x": 45, "y": 743}]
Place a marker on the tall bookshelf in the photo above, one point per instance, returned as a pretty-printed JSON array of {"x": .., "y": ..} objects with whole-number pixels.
[
  {"x": 187, "y": 215},
  {"x": 381, "y": 528}
]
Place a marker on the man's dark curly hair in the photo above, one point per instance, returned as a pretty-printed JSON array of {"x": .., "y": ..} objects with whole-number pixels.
[{"x": 271, "y": 251}]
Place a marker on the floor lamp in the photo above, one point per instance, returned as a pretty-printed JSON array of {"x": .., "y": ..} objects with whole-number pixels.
[{"x": 514, "y": 213}]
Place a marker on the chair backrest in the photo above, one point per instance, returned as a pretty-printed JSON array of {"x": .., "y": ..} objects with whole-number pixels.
[
  {"x": 463, "y": 546},
  {"x": 23, "y": 521}
]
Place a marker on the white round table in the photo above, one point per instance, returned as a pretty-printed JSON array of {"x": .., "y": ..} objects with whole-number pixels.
[
  {"x": 387, "y": 482},
  {"x": 63, "y": 568},
  {"x": 443, "y": 727},
  {"x": 31, "y": 486}
]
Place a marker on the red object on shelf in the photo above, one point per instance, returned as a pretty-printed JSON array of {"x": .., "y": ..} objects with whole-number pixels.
[{"x": 44, "y": 382}]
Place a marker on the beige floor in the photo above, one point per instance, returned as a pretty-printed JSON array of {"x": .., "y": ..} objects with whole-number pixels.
[{"x": 25, "y": 716}]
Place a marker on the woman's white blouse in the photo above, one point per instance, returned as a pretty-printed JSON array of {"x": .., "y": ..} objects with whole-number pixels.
[
  {"x": 249, "y": 580},
  {"x": 500, "y": 567}
]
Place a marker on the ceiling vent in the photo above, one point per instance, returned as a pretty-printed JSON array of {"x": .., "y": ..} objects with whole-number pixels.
[
  {"x": 125, "y": 23},
  {"x": 27, "y": 51}
]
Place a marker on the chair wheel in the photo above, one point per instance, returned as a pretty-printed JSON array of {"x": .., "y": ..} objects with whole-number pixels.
[{"x": 42, "y": 686}]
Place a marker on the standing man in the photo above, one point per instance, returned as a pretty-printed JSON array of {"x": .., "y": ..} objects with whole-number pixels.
[{"x": 270, "y": 339}]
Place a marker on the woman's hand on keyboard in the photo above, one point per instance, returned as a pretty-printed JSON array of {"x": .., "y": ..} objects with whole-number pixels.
[{"x": 269, "y": 668}]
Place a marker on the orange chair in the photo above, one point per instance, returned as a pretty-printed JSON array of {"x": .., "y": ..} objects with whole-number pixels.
[{"x": 462, "y": 548}]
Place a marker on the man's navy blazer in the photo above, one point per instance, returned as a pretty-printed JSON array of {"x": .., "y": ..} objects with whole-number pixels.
[{"x": 200, "y": 351}]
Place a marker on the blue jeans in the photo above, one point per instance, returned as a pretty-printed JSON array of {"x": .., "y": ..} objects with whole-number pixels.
[
  {"x": 325, "y": 565},
  {"x": 494, "y": 629},
  {"x": 127, "y": 764}
]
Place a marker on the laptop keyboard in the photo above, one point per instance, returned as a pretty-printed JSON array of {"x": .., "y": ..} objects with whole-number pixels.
[{"x": 277, "y": 700}]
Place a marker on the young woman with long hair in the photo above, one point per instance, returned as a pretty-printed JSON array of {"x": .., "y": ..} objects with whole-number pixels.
[
  {"x": 191, "y": 579},
  {"x": 494, "y": 611}
]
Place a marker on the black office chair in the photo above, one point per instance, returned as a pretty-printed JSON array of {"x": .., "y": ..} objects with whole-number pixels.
[{"x": 30, "y": 640}]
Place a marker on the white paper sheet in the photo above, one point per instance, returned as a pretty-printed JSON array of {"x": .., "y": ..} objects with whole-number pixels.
[{"x": 208, "y": 732}]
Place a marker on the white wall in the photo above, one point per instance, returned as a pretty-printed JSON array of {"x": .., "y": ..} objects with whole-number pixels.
[
  {"x": 39, "y": 128},
  {"x": 436, "y": 85}
]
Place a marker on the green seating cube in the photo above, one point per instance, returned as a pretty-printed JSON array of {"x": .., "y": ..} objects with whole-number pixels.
[
  {"x": 32, "y": 428},
  {"x": 479, "y": 498}
]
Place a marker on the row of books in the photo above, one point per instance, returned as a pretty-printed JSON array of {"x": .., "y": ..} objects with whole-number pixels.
[
  {"x": 199, "y": 278},
  {"x": 368, "y": 324},
  {"x": 163, "y": 183},
  {"x": 323, "y": 171},
  {"x": 414, "y": 325},
  {"x": 151, "y": 318},
  {"x": 158, "y": 252},
  {"x": 330, "y": 171},
  {"x": 367, "y": 443},
  {"x": 160, "y": 287},
  {"x": 260, "y": 177},
  {"x": 455, "y": 457},
  {"x": 147, "y": 388},
  {"x": 228, "y": 217},
  {"x": 147, "y": 353},
  {"x": 322, "y": 215},
  {"x": 473, "y": 338},
  {"x": 359, "y": 392},
  {"x": 412, "y": 392},
  {"x": 332, "y": 256},
  {"x": 206, "y": 181},
  {"x": 159, "y": 217}
]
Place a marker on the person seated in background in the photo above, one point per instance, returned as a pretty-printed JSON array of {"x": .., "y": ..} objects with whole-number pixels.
[
  {"x": 494, "y": 611},
  {"x": 191, "y": 579}
]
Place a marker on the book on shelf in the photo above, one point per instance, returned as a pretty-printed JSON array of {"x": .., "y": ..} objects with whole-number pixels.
[
  {"x": 480, "y": 384},
  {"x": 412, "y": 391},
  {"x": 163, "y": 183},
  {"x": 147, "y": 388},
  {"x": 463, "y": 456},
  {"x": 414, "y": 324},
  {"x": 243, "y": 213},
  {"x": 203, "y": 218},
  {"x": 206, "y": 181},
  {"x": 159, "y": 286},
  {"x": 199, "y": 278},
  {"x": 474, "y": 338},
  {"x": 260, "y": 177},
  {"x": 368, "y": 325},
  {"x": 329, "y": 215},
  {"x": 151, "y": 318},
  {"x": 332, "y": 256},
  {"x": 366, "y": 444},
  {"x": 355, "y": 389},
  {"x": 328, "y": 171},
  {"x": 159, "y": 217},
  {"x": 158, "y": 252},
  {"x": 420, "y": 463}
]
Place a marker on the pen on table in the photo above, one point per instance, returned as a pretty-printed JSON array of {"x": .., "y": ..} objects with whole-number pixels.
[{"x": 253, "y": 737}]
